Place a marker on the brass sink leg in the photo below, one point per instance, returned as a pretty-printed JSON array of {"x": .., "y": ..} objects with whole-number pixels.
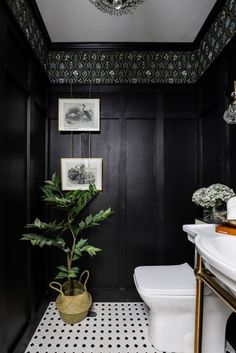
[{"x": 199, "y": 306}]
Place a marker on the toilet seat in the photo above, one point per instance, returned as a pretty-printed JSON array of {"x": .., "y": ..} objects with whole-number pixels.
[{"x": 174, "y": 280}]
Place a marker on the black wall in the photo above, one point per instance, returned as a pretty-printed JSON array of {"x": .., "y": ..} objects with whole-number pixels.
[
  {"x": 148, "y": 143},
  {"x": 218, "y": 139},
  {"x": 23, "y": 116}
]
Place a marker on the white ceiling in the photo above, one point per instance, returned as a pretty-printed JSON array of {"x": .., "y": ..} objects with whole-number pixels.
[{"x": 153, "y": 21}]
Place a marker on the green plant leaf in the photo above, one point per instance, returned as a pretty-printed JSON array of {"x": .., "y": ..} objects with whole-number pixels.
[
  {"x": 82, "y": 225},
  {"x": 81, "y": 243},
  {"x": 102, "y": 215},
  {"x": 82, "y": 199},
  {"x": 41, "y": 241},
  {"x": 88, "y": 220},
  {"x": 37, "y": 239},
  {"x": 61, "y": 275},
  {"x": 75, "y": 269},
  {"x": 76, "y": 257},
  {"x": 72, "y": 273},
  {"x": 50, "y": 227},
  {"x": 91, "y": 250},
  {"x": 78, "y": 247},
  {"x": 62, "y": 268}
]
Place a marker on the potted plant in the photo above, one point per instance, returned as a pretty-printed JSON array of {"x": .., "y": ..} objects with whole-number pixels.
[
  {"x": 213, "y": 199},
  {"x": 66, "y": 235}
]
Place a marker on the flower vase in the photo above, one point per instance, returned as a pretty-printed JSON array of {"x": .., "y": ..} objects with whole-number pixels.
[
  {"x": 207, "y": 215},
  {"x": 212, "y": 215}
]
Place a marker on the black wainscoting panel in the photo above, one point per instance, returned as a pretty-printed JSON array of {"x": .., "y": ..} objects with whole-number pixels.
[
  {"x": 214, "y": 129},
  {"x": 106, "y": 145},
  {"x": 180, "y": 104},
  {"x": 60, "y": 146},
  {"x": 136, "y": 150},
  {"x": 111, "y": 105},
  {"x": 16, "y": 59},
  {"x": 15, "y": 184},
  {"x": 23, "y": 164},
  {"x": 180, "y": 183},
  {"x": 37, "y": 208},
  {"x": 211, "y": 147},
  {"x": 37, "y": 153},
  {"x": 3, "y": 257},
  {"x": 140, "y": 103},
  {"x": 141, "y": 204},
  {"x": 214, "y": 139}
]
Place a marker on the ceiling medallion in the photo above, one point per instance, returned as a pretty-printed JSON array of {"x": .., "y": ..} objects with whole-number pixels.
[{"x": 117, "y": 7}]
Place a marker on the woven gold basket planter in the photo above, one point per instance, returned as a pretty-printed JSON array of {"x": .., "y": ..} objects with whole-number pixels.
[{"x": 73, "y": 308}]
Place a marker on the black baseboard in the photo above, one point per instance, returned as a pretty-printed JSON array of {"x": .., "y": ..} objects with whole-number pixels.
[
  {"x": 110, "y": 295},
  {"x": 32, "y": 326},
  {"x": 115, "y": 295}
]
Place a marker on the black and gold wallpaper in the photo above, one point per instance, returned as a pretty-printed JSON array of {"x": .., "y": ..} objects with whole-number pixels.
[
  {"x": 31, "y": 29},
  {"x": 127, "y": 66}
]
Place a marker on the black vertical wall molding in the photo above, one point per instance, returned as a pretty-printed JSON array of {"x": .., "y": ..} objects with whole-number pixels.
[
  {"x": 3, "y": 294},
  {"x": 123, "y": 195},
  {"x": 160, "y": 178}
]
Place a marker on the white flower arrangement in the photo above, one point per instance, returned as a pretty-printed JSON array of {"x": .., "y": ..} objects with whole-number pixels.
[{"x": 213, "y": 195}]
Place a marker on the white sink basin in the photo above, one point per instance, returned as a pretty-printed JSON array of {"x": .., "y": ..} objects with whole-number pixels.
[
  {"x": 219, "y": 254},
  {"x": 192, "y": 230}
]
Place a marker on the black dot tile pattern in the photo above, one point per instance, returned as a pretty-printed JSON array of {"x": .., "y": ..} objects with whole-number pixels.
[{"x": 109, "y": 328}]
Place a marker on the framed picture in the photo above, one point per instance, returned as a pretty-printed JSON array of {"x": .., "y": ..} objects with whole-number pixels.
[
  {"x": 79, "y": 114},
  {"x": 79, "y": 173}
]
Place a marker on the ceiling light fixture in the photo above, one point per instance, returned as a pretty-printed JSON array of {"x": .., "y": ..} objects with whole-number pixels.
[
  {"x": 230, "y": 113},
  {"x": 117, "y": 7}
]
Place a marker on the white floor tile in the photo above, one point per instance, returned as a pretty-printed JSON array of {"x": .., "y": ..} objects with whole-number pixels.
[
  {"x": 109, "y": 328},
  {"x": 116, "y": 328}
]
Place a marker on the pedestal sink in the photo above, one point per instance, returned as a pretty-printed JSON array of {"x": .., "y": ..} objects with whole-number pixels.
[{"x": 219, "y": 254}]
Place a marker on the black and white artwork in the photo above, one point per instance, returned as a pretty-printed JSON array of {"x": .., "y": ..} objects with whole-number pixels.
[
  {"x": 79, "y": 173},
  {"x": 79, "y": 114}
]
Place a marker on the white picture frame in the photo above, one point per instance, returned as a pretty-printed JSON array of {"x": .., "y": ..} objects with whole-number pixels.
[
  {"x": 78, "y": 114},
  {"x": 79, "y": 173}
]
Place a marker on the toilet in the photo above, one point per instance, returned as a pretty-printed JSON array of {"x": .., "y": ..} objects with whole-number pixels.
[{"x": 169, "y": 292}]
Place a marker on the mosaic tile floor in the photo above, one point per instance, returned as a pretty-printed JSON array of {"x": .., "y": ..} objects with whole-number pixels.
[{"x": 110, "y": 328}]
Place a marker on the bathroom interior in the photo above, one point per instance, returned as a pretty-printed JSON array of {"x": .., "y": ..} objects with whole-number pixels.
[{"x": 162, "y": 75}]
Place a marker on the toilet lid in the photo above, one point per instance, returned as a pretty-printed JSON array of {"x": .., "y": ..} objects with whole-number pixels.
[{"x": 165, "y": 280}]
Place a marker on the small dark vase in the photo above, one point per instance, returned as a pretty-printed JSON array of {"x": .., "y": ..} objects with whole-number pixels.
[{"x": 214, "y": 215}]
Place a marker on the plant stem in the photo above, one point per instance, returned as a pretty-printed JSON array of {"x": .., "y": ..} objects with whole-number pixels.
[
  {"x": 70, "y": 258},
  {"x": 70, "y": 282}
]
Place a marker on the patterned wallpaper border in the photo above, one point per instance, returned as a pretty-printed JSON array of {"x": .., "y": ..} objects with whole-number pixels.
[
  {"x": 119, "y": 66},
  {"x": 218, "y": 36},
  {"x": 31, "y": 29},
  {"x": 106, "y": 67}
]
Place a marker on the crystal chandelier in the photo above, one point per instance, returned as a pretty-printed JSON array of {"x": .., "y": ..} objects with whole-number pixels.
[
  {"x": 230, "y": 113},
  {"x": 117, "y": 7}
]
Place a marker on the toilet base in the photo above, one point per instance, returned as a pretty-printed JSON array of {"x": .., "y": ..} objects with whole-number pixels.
[{"x": 173, "y": 331}]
